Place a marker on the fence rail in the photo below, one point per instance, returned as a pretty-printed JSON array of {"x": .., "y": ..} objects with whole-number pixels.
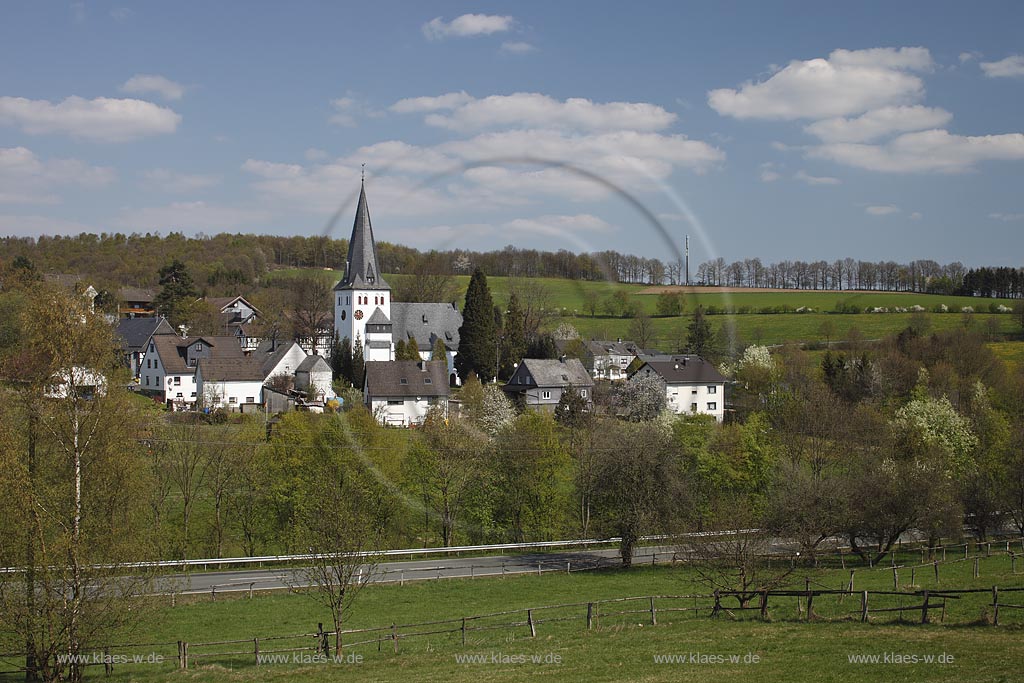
[{"x": 709, "y": 605}]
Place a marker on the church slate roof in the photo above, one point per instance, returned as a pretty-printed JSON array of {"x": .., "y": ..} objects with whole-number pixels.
[
  {"x": 361, "y": 269},
  {"x": 378, "y": 318},
  {"x": 426, "y": 322}
]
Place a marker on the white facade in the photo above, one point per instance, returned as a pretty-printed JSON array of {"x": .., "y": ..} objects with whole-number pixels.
[
  {"x": 353, "y": 307},
  {"x": 179, "y": 388},
  {"x": 402, "y": 412},
  {"x": 706, "y": 399},
  {"x": 231, "y": 395}
]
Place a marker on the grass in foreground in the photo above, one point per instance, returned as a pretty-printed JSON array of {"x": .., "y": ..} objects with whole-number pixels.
[{"x": 620, "y": 647}]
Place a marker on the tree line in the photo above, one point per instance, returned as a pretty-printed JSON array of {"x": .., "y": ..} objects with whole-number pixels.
[{"x": 226, "y": 263}]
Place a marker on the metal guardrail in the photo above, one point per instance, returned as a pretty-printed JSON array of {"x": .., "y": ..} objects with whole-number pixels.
[{"x": 405, "y": 552}]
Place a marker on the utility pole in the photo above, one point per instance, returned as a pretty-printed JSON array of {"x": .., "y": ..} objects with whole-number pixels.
[{"x": 687, "y": 250}]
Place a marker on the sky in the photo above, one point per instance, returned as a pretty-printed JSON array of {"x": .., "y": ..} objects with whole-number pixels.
[{"x": 776, "y": 130}]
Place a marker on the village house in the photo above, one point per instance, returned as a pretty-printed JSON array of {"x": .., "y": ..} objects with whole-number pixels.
[
  {"x": 314, "y": 378},
  {"x": 232, "y": 383},
  {"x": 135, "y": 334},
  {"x": 168, "y": 371},
  {"x": 692, "y": 385},
  {"x": 402, "y": 392},
  {"x": 135, "y": 302},
  {"x": 538, "y": 384},
  {"x": 237, "y": 316}
]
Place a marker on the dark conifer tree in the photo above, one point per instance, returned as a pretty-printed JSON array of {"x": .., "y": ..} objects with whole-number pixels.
[{"x": 477, "y": 336}]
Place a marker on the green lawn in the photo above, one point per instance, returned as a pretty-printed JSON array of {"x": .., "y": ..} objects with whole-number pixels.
[{"x": 620, "y": 646}]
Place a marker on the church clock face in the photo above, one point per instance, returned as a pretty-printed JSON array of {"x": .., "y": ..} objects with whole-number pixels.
[{"x": 358, "y": 315}]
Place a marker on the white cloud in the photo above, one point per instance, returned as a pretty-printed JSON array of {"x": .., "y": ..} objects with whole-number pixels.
[
  {"x": 518, "y": 47},
  {"x": 769, "y": 176},
  {"x": 556, "y": 225},
  {"x": 122, "y": 14},
  {"x": 467, "y": 25},
  {"x": 140, "y": 84},
  {"x": 916, "y": 216},
  {"x": 803, "y": 176},
  {"x": 884, "y": 210},
  {"x": 1007, "y": 217},
  {"x": 930, "y": 151},
  {"x": 27, "y": 179},
  {"x": 166, "y": 180},
  {"x": 879, "y": 123},
  {"x": 411, "y": 105},
  {"x": 534, "y": 110},
  {"x": 102, "y": 119},
  {"x": 847, "y": 82},
  {"x": 968, "y": 57},
  {"x": 190, "y": 216},
  {"x": 348, "y": 110},
  {"x": 1011, "y": 67}
]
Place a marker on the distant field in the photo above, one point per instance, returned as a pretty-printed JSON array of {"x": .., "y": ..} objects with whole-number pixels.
[
  {"x": 570, "y": 298},
  {"x": 619, "y": 647}
]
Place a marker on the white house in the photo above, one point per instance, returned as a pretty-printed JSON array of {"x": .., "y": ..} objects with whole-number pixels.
[
  {"x": 135, "y": 334},
  {"x": 231, "y": 383},
  {"x": 538, "y": 383},
  {"x": 314, "y": 377},
  {"x": 692, "y": 385},
  {"x": 402, "y": 392},
  {"x": 168, "y": 370}
]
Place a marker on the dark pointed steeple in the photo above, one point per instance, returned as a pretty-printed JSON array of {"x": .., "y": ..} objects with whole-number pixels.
[{"x": 361, "y": 271}]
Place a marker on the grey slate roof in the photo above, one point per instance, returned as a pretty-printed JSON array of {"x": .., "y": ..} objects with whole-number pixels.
[
  {"x": 172, "y": 350},
  {"x": 313, "y": 364},
  {"x": 361, "y": 270},
  {"x": 378, "y": 318},
  {"x": 135, "y": 332},
  {"x": 137, "y": 295},
  {"x": 425, "y": 323},
  {"x": 542, "y": 372},
  {"x": 600, "y": 347},
  {"x": 269, "y": 353},
  {"x": 684, "y": 369},
  {"x": 384, "y": 378},
  {"x": 231, "y": 370}
]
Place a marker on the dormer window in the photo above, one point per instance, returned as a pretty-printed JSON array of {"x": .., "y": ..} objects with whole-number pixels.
[
  {"x": 426, "y": 380},
  {"x": 199, "y": 346},
  {"x": 403, "y": 381}
]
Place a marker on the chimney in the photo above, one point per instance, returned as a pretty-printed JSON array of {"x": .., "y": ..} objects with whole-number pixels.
[
  {"x": 561, "y": 358},
  {"x": 423, "y": 366}
]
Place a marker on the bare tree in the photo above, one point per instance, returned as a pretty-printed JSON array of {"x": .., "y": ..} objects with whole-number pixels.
[{"x": 188, "y": 461}]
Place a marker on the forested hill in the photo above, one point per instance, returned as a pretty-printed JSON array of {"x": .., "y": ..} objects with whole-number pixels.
[{"x": 225, "y": 263}]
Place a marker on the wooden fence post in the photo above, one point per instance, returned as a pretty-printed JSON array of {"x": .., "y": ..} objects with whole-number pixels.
[
  {"x": 924, "y": 608},
  {"x": 913, "y": 576},
  {"x": 852, "y": 572},
  {"x": 864, "y": 606},
  {"x": 936, "y": 564},
  {"x": 463, "y": 631},
  {"x": 995, "y": 606},
  {"x": 976, "y": 573},
  {"x": 184, "y": 655},
  {"x": 654, "y": 614},
  {"x": 256, "y": 650},
  {"x": 895, "y": 579},
  {"x": 718, "y": 604},
  {"x": 1013, "y": 563},
  {"x": 181, "y": 656},
  {"x": 590, "y": 615},
  {"x": 394, "y": 636},
  {"x": 810, "y": 603},
  {"x": 529, "y": 620}
]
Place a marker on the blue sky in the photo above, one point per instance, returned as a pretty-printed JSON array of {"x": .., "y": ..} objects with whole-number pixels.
[{"x": 772, "y": 130}]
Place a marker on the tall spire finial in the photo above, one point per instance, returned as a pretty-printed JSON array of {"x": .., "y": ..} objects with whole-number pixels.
[{"x": 363, "y": 179}]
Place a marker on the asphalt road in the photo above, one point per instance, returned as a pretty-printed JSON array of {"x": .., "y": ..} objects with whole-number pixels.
[{"x": 413, "y": 570}]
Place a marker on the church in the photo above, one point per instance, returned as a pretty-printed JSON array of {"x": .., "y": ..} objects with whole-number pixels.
[{"x": 365, "y": 313}]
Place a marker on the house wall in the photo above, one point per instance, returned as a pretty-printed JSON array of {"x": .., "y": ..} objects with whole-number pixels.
[
  {"x": 290, "y": 361},
  {"x": 450, "y": 358},
  {"x": 231, "y": 395},
  {"x": 536, "y": 399},
  {"x": 709, "y": 399},
  {"x": 402, "y": 412},
  {"x": 153, "y": 380}
]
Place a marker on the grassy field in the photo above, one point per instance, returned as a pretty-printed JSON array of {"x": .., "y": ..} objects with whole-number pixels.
[
  {"x": 569, "y": 298},
  {"x": 620, "y": 647}
]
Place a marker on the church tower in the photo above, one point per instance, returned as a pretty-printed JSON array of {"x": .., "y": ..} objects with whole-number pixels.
[{"x": 362, "y": 299}]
